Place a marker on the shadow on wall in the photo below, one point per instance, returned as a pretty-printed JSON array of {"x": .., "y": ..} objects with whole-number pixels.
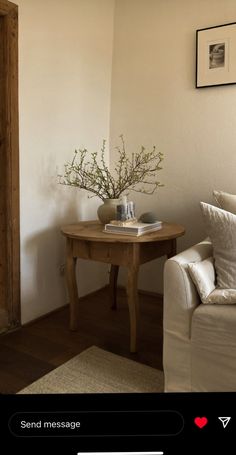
[
  {"x": 181, "y": 209},
  {"x": 43, "y": 285}
]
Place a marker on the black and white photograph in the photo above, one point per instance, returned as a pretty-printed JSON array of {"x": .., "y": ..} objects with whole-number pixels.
[{"x": 216, "y": 55}]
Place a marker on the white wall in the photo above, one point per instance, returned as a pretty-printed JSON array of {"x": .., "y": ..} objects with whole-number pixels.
[
  {"x": 65, "y": 52},
  {"x": 154, "y": 101}
]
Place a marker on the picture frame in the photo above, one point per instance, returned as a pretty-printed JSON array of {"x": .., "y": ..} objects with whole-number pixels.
[{"x": 216, "y": 55}]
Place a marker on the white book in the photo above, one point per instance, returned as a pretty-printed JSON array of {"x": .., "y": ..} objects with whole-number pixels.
[{"x": 136, "y": 228}]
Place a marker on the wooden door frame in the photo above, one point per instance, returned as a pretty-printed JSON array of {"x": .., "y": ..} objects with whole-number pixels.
[{"x": 10, "y": 150}]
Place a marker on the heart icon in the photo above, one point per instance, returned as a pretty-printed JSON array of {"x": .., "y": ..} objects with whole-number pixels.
[{"x": 200, "y": 421}]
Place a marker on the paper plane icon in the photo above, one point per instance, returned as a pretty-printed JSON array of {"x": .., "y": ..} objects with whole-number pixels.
[{"x": 224, "y": 421}]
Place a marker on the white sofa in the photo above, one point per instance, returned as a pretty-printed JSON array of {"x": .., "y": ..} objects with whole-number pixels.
[{"x": 199, "y": 340}]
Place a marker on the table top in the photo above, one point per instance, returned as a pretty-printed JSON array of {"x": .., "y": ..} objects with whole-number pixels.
[{"x": 93, "y": 231}]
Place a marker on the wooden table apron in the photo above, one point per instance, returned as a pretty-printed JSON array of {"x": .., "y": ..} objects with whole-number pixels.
[{"x": 87, "y": 241}]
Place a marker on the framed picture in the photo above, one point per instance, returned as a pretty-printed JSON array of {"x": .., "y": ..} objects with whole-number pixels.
[{"x": 216, "y": 56}]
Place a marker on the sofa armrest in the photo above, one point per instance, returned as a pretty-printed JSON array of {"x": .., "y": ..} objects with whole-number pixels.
[
  {"x": 180, "y": 295},
  {"x": 180, "y": 300}
]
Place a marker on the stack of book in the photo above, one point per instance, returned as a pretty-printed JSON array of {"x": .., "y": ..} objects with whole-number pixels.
[{"x": 134, "y": 228}]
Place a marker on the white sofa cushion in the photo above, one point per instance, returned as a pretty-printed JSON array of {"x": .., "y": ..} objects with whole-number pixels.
[
  {"x": 226, "y": 201},
  {"x": 222, "y": 297},
  {"x": 221, "y": 228},
  {"x": 203, "y": 276}
]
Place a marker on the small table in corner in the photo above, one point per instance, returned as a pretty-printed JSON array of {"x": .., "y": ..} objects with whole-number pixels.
[{"x": 87, "y": 240}]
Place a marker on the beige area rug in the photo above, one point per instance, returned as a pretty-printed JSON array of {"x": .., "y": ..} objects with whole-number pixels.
[{"x": 98, "y": 371}]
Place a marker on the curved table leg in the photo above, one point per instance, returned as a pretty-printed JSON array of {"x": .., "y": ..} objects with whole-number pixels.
[
  {"x": 72, "y": 285},
  {"x": 133, "y": 304},
  {"x": 173, "y": 251},
  {"x": 114, "y": 270}
]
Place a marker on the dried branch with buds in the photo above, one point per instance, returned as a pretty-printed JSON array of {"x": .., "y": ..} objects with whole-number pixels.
[{"x": 138, "y": 173}]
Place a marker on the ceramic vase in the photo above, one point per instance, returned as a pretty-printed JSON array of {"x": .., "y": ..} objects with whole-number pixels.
[{"x": 107, "y": 211}]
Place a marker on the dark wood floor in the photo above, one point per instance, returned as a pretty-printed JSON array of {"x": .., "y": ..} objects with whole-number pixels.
[{"x": 34, "y": 350}]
